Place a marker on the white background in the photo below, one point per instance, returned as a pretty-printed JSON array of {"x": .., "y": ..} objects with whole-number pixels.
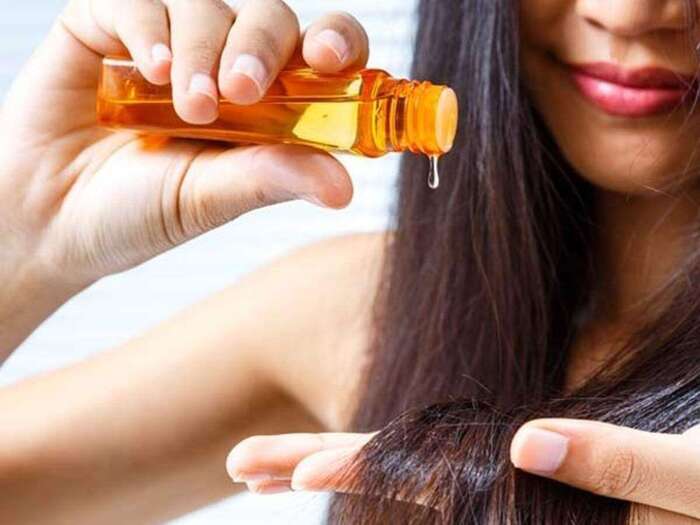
[{"x": 121, "y": 306}]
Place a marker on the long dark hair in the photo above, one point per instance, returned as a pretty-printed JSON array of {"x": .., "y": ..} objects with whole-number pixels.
[{"x": 487, "y": 282}]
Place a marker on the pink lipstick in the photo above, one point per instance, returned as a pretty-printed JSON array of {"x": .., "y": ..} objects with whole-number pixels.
[{"x": 632, "y": 93}]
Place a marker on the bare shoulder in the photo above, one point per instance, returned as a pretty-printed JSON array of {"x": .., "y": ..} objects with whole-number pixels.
[{"x": 310, "y": 315}]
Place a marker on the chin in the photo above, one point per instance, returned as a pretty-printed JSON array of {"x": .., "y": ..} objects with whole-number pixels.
[{"x": 635, "y": 162}]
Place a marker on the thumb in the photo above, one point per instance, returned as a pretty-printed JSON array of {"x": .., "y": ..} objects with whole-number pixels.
[
  {"x": 659, "y": 470},
  {"x": 222, "y": 184}
]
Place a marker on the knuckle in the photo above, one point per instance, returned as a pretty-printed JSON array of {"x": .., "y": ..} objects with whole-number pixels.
[
  {"x": 151, "y": 7},
  {"x": 283, "y": 9},
  {"x": 205, "y": 212},
  {"x": 145, "y": 4},
  {"x": 268, "y": 44},
  {"x": 220, "y": 11},
  {"x": 203, "y": 50},
  {"x": 277, "y": 7},
  {"x": 621, "y": 475},
  {"x": 274, "y": 11},
  {"x": 258, "y": 195},
  {"x": 137, "y": 13},
  {"x": 221, "y": 7},
  {"x": 199, "y": 208},
  {"x": 171, "y": 212}
]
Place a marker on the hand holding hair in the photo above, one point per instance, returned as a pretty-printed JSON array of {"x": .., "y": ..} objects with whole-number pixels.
[
  {"x": 435, "y": 465},
  {"x": 658, "y": 470}
]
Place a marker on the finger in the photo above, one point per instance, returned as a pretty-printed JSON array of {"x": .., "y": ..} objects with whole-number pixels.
[
  {"x": 199, "y": 30},
  {"x": 332, "y": 471},
  {"x": 660, "y": 470},
  {"x": 259, "y": 45},
  {"x": 335, "y": 42},
  {"x": 264, "y": 459},
  {"x": 139, "y": 27},
  {"x": 269, "y": 487},
  {"x": 326, "y": 471},
  {"x": 223, "y": 184}
]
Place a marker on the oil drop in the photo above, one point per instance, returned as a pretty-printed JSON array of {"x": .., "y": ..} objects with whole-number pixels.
[{"x": 433, "y": 174}]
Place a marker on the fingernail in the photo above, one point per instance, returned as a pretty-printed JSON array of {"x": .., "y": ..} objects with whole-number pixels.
[
  {"x": 538, "y": 451},
  {"x": 244, "y": 477},
  {"x": 270, "y": 488},
  {"x": 253, "y": 68},
  {"x": 161, "y": 53},
  {"x": 336, "y": 42},
  {"x": 202, "y": 84}
]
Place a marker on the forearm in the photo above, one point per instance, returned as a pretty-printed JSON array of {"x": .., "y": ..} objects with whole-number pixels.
[
  {"x": 27, "y": 299},
  {"x": 140, "y": 434}
]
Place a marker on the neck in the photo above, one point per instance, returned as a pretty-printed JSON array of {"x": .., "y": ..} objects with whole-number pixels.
[{"x": 640, "y": 244}]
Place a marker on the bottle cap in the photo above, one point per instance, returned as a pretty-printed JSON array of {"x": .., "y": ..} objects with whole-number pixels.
[
  {"x": 446, "y": 117},
  {"x": 433, "y": 119}
]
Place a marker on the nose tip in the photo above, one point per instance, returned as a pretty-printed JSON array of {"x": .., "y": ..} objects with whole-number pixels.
[{"x": 629, "y": 18}]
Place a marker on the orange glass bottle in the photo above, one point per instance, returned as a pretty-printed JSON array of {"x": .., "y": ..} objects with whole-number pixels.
[{"x": 365, "y": 112}]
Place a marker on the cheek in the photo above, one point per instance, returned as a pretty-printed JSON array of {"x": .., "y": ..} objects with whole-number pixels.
[
  {"x": 635, "y": 156},
  {"x": 541, "y": 20}
]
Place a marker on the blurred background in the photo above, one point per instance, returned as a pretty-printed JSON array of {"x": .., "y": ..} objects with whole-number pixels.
[{"x": 122, "y": 306}]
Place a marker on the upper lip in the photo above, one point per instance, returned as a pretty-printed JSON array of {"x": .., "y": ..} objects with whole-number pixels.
[{"x": 642, "y": 78}]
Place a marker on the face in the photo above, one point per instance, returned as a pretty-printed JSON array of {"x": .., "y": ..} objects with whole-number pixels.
[{"x": 614, "y": 81}]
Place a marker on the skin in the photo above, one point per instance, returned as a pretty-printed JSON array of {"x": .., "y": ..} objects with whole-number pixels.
[{"x": 150, "y": 444}]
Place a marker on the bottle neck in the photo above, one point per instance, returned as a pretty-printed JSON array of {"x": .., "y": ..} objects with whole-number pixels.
[{"x": 421, "y": 117}]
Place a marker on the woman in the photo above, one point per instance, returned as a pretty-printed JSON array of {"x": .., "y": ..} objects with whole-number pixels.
[
  {"x": 561, "y": 235},
  {"x": 556, "y": 279}
]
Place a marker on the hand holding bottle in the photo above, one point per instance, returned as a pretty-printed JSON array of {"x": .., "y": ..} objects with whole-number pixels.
[{"x": 81, "y": 203}]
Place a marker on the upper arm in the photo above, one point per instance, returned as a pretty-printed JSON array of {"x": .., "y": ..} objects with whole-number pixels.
[
  {"x": 307, "y": 320},
  {"x": 145, "y": 429}
]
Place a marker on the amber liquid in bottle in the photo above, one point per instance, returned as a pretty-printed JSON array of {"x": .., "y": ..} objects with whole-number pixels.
[{"x": 365, "y": 112}]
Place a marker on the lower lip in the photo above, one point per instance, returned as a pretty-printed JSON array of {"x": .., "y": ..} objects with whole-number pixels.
[{"x": 624, "y": 101}]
